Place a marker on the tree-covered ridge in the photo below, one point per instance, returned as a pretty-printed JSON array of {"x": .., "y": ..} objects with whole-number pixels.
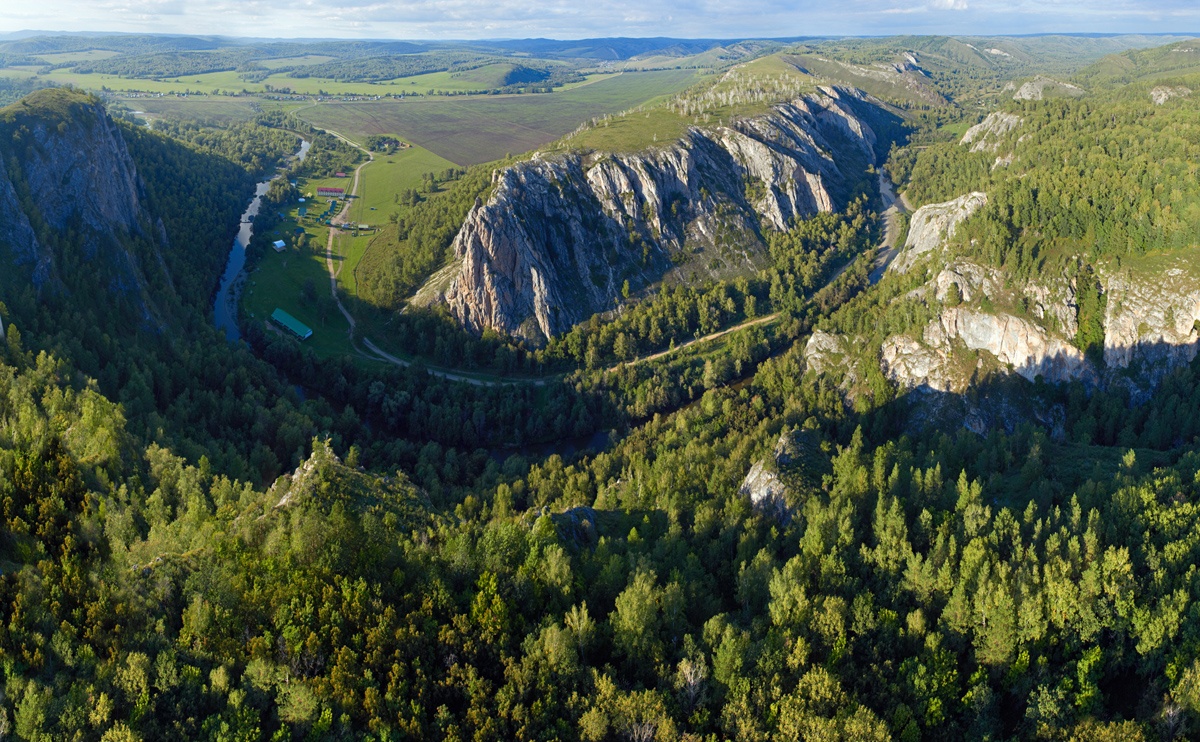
[
  {"x": 1023, "y": 596},
  {"x": 1111, "y": 176},
  {"x": 210, "y": 542},
  {"x": 257, "y": 148}
]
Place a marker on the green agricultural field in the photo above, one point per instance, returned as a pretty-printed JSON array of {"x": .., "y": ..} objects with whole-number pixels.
[
  {"x": 656, "y": 122},
  {"x": 215, "y": 108},
  {"x": 487, "y": 77},
  {"x": 473, "y": 130},
  {"x": 380, "y": 181},
  {"x": 349, "y": 250},
  {"x": 18, "y": 73},
  {"x": 387, "y": 175}
]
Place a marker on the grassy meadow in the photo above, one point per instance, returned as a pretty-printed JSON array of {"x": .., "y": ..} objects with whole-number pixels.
[{"x": 473, "y": 130}]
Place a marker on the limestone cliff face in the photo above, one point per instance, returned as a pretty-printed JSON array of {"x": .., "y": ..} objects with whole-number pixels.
[
  {"x": 1039, "y": 87},
  {"x": 75, "y": 175},
  {"x": 986, "y": 135},
  {"x": 1028, "y": 328},
  {"x": 932, "y": 225},
  {"x": 559, "y": 236},
  {"x": 1026, "y": 348},
  {"x": 1151, "y": 320},
  {"x": 1164, "y": 93}
]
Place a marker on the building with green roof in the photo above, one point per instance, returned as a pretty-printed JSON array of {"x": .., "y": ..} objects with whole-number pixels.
[{"x": 291, "y": 324}]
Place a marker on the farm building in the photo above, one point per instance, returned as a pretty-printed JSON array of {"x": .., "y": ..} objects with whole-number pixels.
[
  {"x": 331, "y": 192},
  {"x": 339, "y": 175},
  {"x": 291, "y": 324},
  {"x": 279, "y": 245}
]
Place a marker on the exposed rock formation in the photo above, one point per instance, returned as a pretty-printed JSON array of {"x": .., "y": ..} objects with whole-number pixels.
[
  {"x": 558, "y": 237},
  {"x": 1151, "y": 320},
  {"x": 78, "y": 177},
  {"x": 1037, "y": 89},
  {"x": 986, "y": 135},
  {"x": 765, "y": 483},
  {"x": 1025, "y": 347},
  {"x": 766, "y": 491},
  {"x": 825, "y": 352},
  {"x": 932, "y": 225},
  {"x": 1164, "y": 93},
  {"x": 906, "y": 76}
]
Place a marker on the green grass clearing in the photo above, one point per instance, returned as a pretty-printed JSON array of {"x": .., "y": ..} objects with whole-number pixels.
[
  {"x": 219, "y": 109},
  {"x": 387, "y": 176},
  {"x": 472, "y": 130},
  {"x": 19, "y": 73},
  {"x": 279, "y": 281}
]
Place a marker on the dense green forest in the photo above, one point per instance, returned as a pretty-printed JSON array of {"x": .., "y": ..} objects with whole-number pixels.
[{"x": 205, "y": 540}]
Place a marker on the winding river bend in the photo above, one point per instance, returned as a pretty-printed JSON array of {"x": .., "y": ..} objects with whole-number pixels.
[{"x": 225, "y": 310}]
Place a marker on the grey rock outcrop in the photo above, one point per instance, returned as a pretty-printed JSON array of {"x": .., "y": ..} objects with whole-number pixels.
[
  {"x": 766, "y": 492},
  {"x": 986, "y": 135},
  {"x": 1151, "y": 320},
  {"x": 932, "y": 225},
  {"x": 78, "y": 176},
  {"x": 1028, "y": 349},
  {"x": 1037, "y": 89},
  {"x": 825, "y": 352},
  {"x": 764, "y": 484},
  {"x": 1164, "y": 93},
  {"x": 559, "y": 236},
  {"x": 971, "y": 280}
]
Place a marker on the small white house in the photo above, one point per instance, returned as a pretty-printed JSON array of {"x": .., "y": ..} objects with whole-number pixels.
[{"x": 280, "y": 245}]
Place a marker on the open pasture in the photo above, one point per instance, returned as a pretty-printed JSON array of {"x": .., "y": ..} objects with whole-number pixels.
[{"x": 474, "y": 130}]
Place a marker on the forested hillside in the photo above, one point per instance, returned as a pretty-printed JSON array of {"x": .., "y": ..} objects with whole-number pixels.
[{"x": 928, "y": 475}]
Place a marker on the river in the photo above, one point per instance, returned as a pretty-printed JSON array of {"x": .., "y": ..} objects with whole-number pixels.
[{"x": 225, "y": 310}]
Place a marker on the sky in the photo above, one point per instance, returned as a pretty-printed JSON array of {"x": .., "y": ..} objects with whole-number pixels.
[{"x": 566, "y": 19}]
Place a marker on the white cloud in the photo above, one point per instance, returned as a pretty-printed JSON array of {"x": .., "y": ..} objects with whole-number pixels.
[{"x": 950, "y": 4}]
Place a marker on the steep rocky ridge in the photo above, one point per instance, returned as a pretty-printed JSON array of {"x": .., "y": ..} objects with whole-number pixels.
[
  {"x": 987, "y": 322},
  {"x": 68, "y": 182},
  {"x": 986, "y": 135},
  {"x": 559, "y": 236},
  {"x": 932, "y": 225},
  {"x": 1039, "y": 87},
  {"x": 1151, "y": 319}
]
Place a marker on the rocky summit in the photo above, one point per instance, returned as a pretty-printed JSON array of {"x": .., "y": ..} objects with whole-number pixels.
[{"x": 560, "y": 235}]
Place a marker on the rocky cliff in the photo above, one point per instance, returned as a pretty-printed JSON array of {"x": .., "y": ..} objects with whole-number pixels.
[
  {"x": 559, "y": 236},
  {"x": 987, "y": 321},
  {"x": 986, "y": 135},
  {"x": 1151, "y": 319},
  {"x": 1043, "y": 87},
  {"x": 932, "y": 225},
  {"x": 67, "y": 182}
]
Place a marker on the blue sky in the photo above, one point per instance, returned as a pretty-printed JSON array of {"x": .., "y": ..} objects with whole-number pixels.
[{"x": 474, "y": 19}]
